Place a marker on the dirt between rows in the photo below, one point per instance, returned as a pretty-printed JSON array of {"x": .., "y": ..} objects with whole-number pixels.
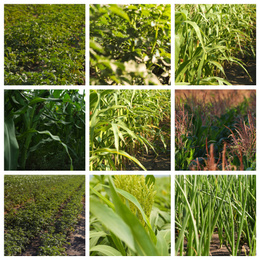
[
  {"x": 76, "y": 239},
  {"x": 216, "y": 250}
]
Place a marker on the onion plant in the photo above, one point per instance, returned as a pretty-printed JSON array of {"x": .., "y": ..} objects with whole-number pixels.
[
  {"x": 124, "y": 123},
  {"x": 208, "y": 37},
  {"x": 225, "y": 204}
]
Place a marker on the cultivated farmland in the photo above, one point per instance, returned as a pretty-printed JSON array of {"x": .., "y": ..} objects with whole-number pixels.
[
  {"x": 130, "y": 130},
  {"x": 215, "y": 215},
  {"x": 40, "y": 213},
  {"x": 44, "y": 44},
  {"x": 215, "y": 130},
  {"x": 130, "y": 215},
  {"x": 215, "y": 44},
  {"x": 44, "y": 130},
  {"x": 130, "y": 44}
]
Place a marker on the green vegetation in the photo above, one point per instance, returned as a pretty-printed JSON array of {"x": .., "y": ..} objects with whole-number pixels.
[
  {"x": 44, "y": 44},
  {"x": 130, "y": 44},
  {"x": 215, "y": 134},
  {"x": 211, "y": 37},
  {"x": 124, "y": 222},
  {"x": 224, "y": 204},
  {"x": 44, "y": 130},
  {"x": 45, "y": 208},
  {"x": 127, "y": 123}
]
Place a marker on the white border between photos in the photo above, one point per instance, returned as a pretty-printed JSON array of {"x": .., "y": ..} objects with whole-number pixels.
[{"x": 87, "y": 87}]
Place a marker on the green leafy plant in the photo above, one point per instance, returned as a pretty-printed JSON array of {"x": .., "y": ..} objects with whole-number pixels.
[
  {"x": 44, "y": 44},
  {"x": 46, "y": 207},
  {"x": 130, "y": 44}
]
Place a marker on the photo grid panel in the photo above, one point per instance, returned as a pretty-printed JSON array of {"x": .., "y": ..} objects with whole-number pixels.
[{"x": 89, "y": 101}]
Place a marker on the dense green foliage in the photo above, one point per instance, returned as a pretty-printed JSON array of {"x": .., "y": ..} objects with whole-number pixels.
[
  {"x": 130, "y": 44},
  {"x": 46, "y": 207},
  {"x": 124, "y": 123},
  {"x": 44, "y": 44},
  {"x": 115, "y": 229},
  {"x": 214, "y": 135},
  {"x": 208, "y": 37},
  {"x": 207, "y": 204},
  {"x": 44, "y": 130}
]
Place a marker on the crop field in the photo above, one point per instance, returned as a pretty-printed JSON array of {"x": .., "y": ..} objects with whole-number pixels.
[
  {"x": 215, "y": 215},
  {"x": 130, "y": 129},
  {"x": 44, "y": 44},
  {"x": 44, "y": 130},
  {"x": 130, "y": 215},
  {"x": 130, "y": 44},
  {"x": 40, "y": 213},
  {"x": 215, "y": 130},
  {"x": 215, "y": 44}
]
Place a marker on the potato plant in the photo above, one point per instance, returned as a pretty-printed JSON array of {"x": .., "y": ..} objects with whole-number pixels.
[
  {"x": 130, "y": 44},
  {"x": 44, "y": 130},
  {"x": 41, "y": 207},
  {"x": 44, "y": 44}
]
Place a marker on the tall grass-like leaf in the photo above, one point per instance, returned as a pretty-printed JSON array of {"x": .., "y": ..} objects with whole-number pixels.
[
  {"x": 112, "y": 221},
  {"x": 11, "y": 147},
  {"x": 106, "y": 250}
]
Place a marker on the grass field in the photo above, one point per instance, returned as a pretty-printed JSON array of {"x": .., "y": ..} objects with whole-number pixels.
[{"x": 215, "y": 130}]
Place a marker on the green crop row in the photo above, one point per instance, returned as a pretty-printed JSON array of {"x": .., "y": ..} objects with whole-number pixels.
[
  {"x": 44, "y": 44},
  {"x": 48, "y": 213},
  {"x": 124, "y": 123},
  {"x": 130, "y": 216},
  {"x": 224, "y": 204},
  {"x": 44, "y": 130},
  {"x": 210, "y": 37}
]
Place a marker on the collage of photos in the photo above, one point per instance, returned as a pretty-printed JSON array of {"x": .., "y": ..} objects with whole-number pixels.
[{"x": 88, "y": 98}]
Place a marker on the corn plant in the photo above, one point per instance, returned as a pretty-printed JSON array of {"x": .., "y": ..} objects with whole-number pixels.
[
  {"x": 44, "y": 129},
  {"x": 224, "y": 204},
  {"x": 210, "y": 37},
  {"x": 116, "y": 229},
  {"x": 124, "y": 123}
]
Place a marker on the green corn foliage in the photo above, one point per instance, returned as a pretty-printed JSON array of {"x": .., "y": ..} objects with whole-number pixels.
[{"x": 210, "y": 36}]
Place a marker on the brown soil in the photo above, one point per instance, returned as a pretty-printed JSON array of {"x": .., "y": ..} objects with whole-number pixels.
[
  {"x": 216, "y": 250},
  {"x": 77, "y": 238},
  {"x": 151, "y": 162},
  {"x": 237, "y": 76}
]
